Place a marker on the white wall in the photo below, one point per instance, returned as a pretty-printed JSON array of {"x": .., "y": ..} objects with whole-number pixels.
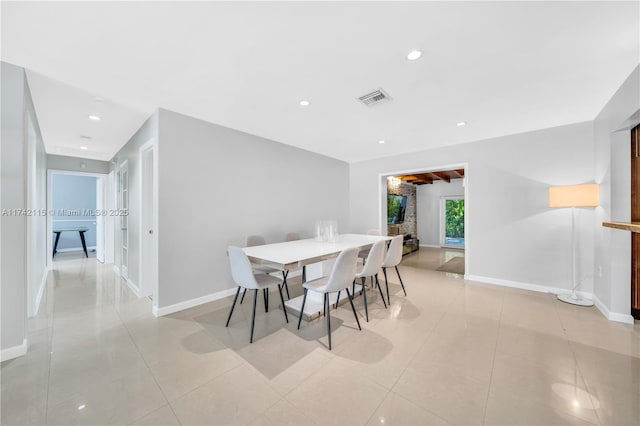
[
  {"x": 612, "y": 171},
  {"x": 218, "y": 185},
  {"x": 511, "y": 234},
  {"x": 74, "y": 164},
  {"x": 129, "y": 153},
  {"x": 23, "y": 166},
  {"x": 36, "y": 200},
  {"x": 428, "y": 202},
  {"x": 14, "y": 228}
]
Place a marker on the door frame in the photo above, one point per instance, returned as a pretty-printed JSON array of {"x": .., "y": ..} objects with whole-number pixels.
[
  {"x": 443, "y": 213},
  {"x": 100, "y": 203},
  {"x": 148, "y": 219},
  {"x": 382, "y": 200},
  {"x": 124, "y": 272}
]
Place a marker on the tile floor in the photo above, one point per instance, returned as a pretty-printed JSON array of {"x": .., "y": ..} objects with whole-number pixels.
[{"x": 452, "y": 352}]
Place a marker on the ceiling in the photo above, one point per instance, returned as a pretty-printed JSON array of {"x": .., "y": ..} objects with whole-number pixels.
[
  {"x": 501, "y": 67},
  {"x": 427, "y": 178}
]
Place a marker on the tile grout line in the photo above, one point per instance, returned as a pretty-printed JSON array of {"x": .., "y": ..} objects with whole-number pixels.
[
  {"x": 493, "y": 364},
  {"x": 155, "y": 380},
  {"x": 575, "y": 359},
  {"x": 426, "y": 339},
  {"x": 46, "y": 407}
]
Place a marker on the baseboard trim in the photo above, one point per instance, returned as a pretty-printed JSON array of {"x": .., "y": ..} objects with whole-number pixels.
[
  {"x": 166, "y": 310},
  {"x": 612, "y": 316},
  {"x": 66, "y": 250},
  {"x": 43, "y": 284},
  {"x": 116, "y": 269},
  {"x": 14, "y": 352},
  {"x": 134, "y": 288},
  {"x": 524, "y": 286}
]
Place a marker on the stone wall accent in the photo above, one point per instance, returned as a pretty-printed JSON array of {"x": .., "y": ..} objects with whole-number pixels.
[{"x": 410, "y": 225}]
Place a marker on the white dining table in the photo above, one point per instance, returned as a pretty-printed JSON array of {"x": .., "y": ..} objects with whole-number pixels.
[{"x": 298, "y": 254}]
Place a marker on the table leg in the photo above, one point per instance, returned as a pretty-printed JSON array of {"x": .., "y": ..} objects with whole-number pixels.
[
  {"x": 84, "y": 244},
  {"x": 55, "y": 246}
]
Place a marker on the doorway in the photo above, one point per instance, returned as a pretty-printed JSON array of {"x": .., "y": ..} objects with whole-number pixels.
[
  {"x": 433, "y": 187},
  {"x": 148, "y": 220},
  {"x": 75, "y": 201},
  {"x": 122, "y": 185},
  {"x": 452, "y": 222},
  {"x": 635, "y": 217}
]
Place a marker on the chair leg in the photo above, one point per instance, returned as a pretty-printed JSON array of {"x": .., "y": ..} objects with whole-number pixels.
[
  {"x": 380, "y": 290},
  {"x": 285, "y": 274},
  {"x": 353, "y": 308},
  {"x": 337, "y": 299},
  {"x": 284, "y": 308},
  {"x": 400, "y": 278},
  {"x": 326, "y": 306},
  {"x": 364, "y": 297},
  {"x": 233, "y": 306},
  {"x": 386, "y": 283},
  {"x": 243, "y": 293},
  {"x": 304, "y": 299},
  {"x": 253, "y": 314},
  {"x": 265, "y": 294}
]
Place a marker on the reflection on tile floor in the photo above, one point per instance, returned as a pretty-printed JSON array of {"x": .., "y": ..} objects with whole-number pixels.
[
  {"x": 451, "y": 352},
  {"x": 432, "y": 258}
]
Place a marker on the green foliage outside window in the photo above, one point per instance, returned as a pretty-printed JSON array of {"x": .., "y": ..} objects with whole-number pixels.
[{"x": 454, "y": 217}]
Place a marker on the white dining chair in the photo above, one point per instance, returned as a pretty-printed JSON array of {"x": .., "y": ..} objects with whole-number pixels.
[
  {"x": 245, "y": 277},
  {"x": 393, "y": 259},
  {"x": 364, "y": 253},
  {"x": 370, "y": 269},
  {"x": 291, "y": 236},
  {"x": 258, "y": 240},
  {"x": 340, "y": 278}
]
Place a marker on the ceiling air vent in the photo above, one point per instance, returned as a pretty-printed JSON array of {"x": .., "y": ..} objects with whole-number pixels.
[{"x": 375, "y": 97}]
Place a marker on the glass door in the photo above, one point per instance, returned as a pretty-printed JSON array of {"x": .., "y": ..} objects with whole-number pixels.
[
  {"x": 452, "y": 222},
  {"x": 123, "y": 212}
]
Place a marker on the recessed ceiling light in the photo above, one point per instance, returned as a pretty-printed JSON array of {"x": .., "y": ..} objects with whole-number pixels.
[
  {"x": 94, "y": 118},
  {"x": 380, "y": 142},
  {"x": 84, "y": 147},
  {"x": 99, "y": 99},
  {"x": 85, "y": 137},
  {"x": 461, "y": 124},
  {"x": 414, "y": 54},
  {"x": 304, "y": 103}
]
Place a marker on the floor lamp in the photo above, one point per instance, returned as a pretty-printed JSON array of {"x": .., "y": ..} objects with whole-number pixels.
[{"x": 574, "y": 196}]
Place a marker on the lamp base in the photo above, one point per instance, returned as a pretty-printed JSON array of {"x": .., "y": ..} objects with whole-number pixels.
[{"x": 574, "y": 299}]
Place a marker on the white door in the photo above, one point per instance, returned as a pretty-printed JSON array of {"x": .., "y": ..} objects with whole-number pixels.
[
  {"x": 148, "y": 220},
  {"x": 100, "y": 187},
  {"x": 123, "y": 214},
  {"x": 107, "y": 220}
]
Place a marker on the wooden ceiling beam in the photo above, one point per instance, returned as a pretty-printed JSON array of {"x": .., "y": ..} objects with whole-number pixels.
[
  {"x": 429, "y": 177},
  {"x": 419, "y": 179},
  {"x": 442, "y": 176}
]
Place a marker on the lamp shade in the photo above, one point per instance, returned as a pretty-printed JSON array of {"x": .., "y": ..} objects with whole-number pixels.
[{"x": 574, "y": 196}]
